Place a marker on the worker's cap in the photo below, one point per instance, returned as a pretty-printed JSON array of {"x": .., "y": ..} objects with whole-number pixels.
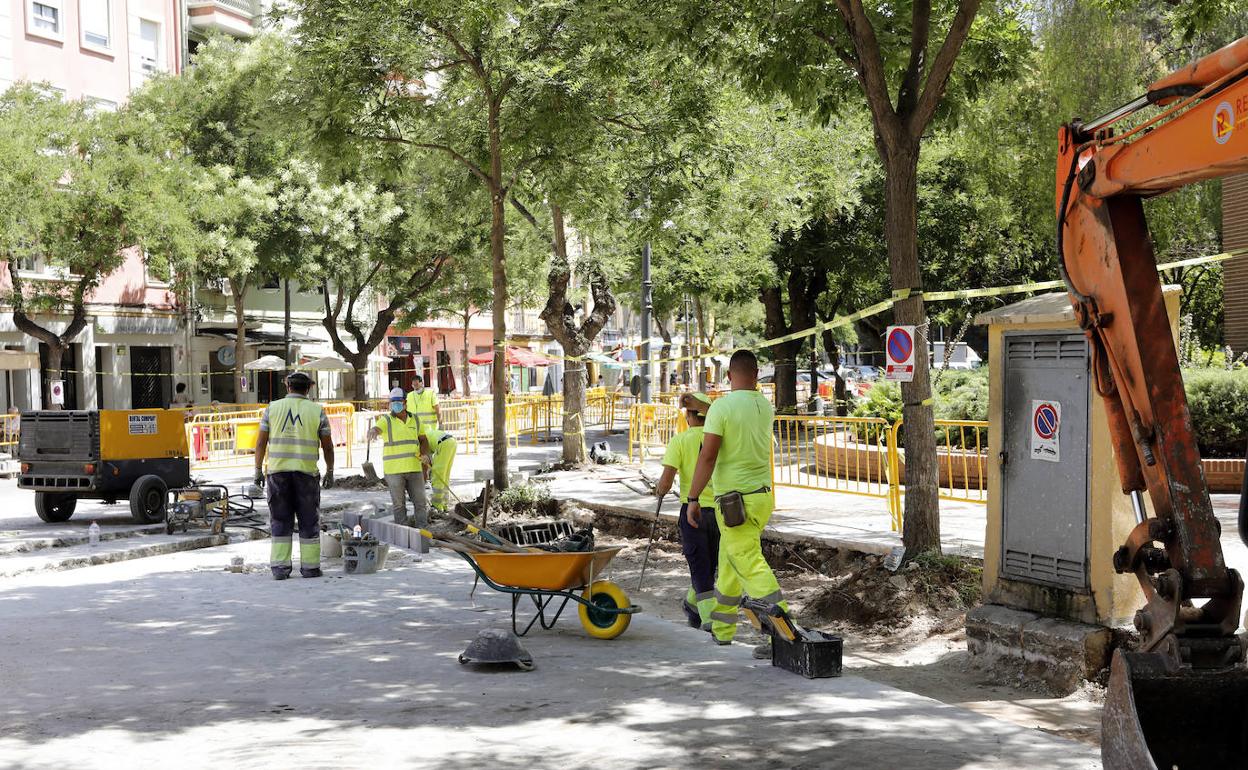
[
  {"x": 695, "y": 402},
  {"x": 299, "y": 378},
  {"x": 396, "y": 394}
]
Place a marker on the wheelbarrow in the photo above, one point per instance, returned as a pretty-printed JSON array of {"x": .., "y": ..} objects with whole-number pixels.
[{"x": 550, "y": 580}]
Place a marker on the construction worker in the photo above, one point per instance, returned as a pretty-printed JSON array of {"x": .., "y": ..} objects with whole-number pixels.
[
  {"x": 423, "y": 403},
  {"x": 444, "y": 447},
  {"x": 736, "y": 460},
  {"x": 700, "y": 544},
  {"x": 292, "y": 427},
  {"x": 405, "y": 456}
]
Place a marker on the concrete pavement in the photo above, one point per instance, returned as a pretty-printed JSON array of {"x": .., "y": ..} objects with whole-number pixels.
[{"x": 171, "y": 660}]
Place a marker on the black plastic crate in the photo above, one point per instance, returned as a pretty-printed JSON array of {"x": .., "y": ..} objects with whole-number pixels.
[
  {"x": 815, "y": 657},
  {"x": 534, "y": 534}
]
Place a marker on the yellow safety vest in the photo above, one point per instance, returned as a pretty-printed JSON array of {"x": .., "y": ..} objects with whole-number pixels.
[
  {"x": 401, "y": 453},
  {"x": 422, "y": 405},
  {"x": 294, "y": 428}
]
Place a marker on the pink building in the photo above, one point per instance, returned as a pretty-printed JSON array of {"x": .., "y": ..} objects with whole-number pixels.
[{"x": 135, "y": 347}]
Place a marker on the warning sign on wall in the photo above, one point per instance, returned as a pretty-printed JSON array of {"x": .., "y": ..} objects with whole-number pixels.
[
  {"x": 1046, "y": 426},
  {"x": 899, "y": 354}
]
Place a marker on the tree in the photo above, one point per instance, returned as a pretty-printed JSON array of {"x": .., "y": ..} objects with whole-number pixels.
[
  {"x": 372, "y": 258},
  {"x": 899, "y": 58},
  {"x": 86, "y": 191},
  {"x": 226, "y": 117},
  {"x": 456, "y": 79}
]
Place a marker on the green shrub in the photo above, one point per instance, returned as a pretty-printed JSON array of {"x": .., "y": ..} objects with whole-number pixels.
[
  {"x": 882, "y": 400},
  {"x": 523, "y": 498},
  {"x": 1218, "y": 400},
  {"x": 959, "y": 395}
]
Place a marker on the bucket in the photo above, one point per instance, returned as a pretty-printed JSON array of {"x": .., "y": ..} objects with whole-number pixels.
[
  {"x": 360, "y": 558},
  {"x": 331, "y": 545}
]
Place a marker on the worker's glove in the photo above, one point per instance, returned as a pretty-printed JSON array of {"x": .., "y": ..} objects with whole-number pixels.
[
  {"x": 328, "y": 481},
  {"x": 258, "y": 479}
]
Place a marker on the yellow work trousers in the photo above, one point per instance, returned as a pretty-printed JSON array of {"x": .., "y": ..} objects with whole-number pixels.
[
  {"x": 443, "y": 457},
  {"x": 742, "y": 569}
]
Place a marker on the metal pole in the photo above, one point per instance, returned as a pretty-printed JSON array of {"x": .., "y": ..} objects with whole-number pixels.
[
  {"x": 646, "y": 308},
  {"x": 688, "y": 349},
  {"x": 286, "y": 331}
]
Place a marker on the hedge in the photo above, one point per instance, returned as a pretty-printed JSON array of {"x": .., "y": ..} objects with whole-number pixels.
[{"x": 1218, "y": 400}]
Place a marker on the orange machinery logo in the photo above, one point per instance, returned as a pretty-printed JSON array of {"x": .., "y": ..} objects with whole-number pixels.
[{"x": 1223, "y": 123}]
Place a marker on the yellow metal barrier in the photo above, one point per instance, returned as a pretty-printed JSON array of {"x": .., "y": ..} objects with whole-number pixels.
[
  {"x": 651, "y": 426},
  {"x": 228, "y": 438},
  {"x": 961, "y": 464},
  {"x": 10, "y": 429},
  {"x": 837, "y": 454},
  {"x": 532, "y": 415}
]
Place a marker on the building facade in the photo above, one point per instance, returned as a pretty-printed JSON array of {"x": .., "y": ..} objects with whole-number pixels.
[{"x": 137, "y": 345}]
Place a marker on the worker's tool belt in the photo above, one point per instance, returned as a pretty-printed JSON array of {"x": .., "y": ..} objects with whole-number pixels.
[{"x": 731, "y": 506}]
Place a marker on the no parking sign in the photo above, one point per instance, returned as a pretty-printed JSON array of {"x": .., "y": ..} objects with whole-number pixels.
[
  {"x": 1046, "y": 426},
  {"x": 899, "y": 354}
]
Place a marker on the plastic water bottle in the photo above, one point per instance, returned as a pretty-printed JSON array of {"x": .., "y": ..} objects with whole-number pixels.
[
  {"x": 357, "y": 532},
  {"x": 93, "y": 534}
]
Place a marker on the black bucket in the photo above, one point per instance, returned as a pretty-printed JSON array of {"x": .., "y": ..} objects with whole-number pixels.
[{"x": 1159, "y": 717}]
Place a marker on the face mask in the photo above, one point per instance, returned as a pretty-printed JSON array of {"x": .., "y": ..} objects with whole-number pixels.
[
  {"x": 396, "y": 407},
  {"x": 420, "y": 388}
]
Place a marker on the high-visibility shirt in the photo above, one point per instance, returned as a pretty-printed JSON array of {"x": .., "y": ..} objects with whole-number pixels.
[
  {"x": 682, "y": 454},
  {"x": 401, "y": 452},
  {"x": 743, "y": 420},
  {"x": 422, "y": 405},
  {"x": 295, "y": 426}
]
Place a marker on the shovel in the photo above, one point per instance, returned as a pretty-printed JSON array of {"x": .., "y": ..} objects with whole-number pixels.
[
  {"x": 654, "y": 526},
  {"x": 370, "y": 472}
]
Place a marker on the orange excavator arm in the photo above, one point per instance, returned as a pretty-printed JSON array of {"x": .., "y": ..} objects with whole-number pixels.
[{"x": 1187, "y": 629}]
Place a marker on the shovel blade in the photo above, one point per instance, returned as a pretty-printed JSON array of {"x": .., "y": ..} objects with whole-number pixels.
[
  {"x": 1158, "y": 716},
  {"x": 370, "y": 472}
]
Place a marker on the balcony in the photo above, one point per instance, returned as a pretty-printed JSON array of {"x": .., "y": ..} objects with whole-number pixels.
[{"x": 233, "y": 17}]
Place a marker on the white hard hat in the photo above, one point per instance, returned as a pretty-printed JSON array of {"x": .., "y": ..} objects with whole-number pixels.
[{"x": 397, "y": 394}]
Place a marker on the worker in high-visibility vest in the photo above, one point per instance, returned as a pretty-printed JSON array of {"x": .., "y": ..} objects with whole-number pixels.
[
  {"x": 700, "y": 545},
  {"x": 406, "y": 459},
  {"x": 444, "y": 446},
  {"x": 290, "y": 432},
  {"x": 423, "y": 403},
  {"x": 736, "y": 459}
]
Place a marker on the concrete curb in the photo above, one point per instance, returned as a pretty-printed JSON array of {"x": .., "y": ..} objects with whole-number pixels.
[
  {"x": 38, "y": 544},
  {"x": 78, "y": 560}
]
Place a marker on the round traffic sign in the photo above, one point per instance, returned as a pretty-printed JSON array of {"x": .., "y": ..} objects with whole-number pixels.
[
  {"x": 900, "y": 345},
  {"x": 1045, "y": 421}
]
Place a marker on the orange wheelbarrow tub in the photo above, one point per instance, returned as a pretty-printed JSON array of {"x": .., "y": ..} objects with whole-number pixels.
[{"x": 550, "y": 580}]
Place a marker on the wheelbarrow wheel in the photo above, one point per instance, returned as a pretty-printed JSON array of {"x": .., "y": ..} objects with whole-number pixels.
[{"x": 600, "y": 620}]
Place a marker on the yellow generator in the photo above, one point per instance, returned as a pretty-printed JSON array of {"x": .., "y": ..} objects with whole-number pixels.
[{"x": 105, "y": 454}]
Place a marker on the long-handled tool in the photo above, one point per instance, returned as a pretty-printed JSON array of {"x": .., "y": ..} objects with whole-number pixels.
[
  {"x": 370, "y": 472},
  {"x": 654, "y": 528}
]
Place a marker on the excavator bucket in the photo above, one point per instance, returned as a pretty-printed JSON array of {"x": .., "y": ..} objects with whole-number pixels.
[{"x": 1161, "y": 717}]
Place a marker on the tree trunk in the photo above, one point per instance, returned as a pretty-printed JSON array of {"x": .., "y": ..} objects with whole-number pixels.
[
  {"x": 467, "y": 388},
  {"x": 840, "y": 392},
  {"x": 56, "y": 355},
  {"x": 921, "y": 529},
  {"x": 360, "y": 381},
  {"x": 574, "y": 381},
  {"x": 498, "y": 255},
  {"x": 238, "y": 288},
  {"x": 784, "y": 353}
]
